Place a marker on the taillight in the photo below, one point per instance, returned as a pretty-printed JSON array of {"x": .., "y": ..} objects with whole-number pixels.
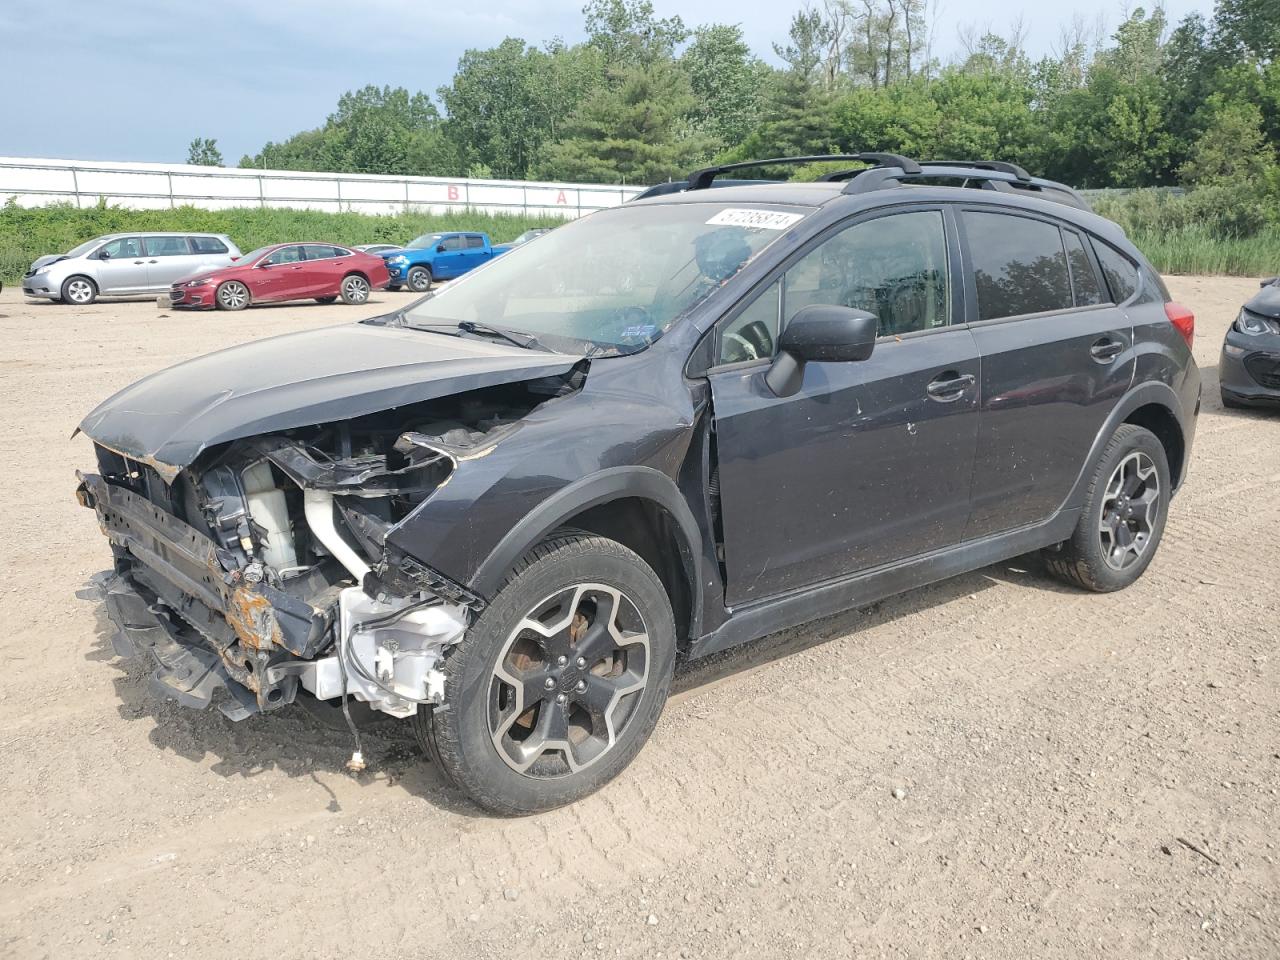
[{"x": 1182, "y": 318}]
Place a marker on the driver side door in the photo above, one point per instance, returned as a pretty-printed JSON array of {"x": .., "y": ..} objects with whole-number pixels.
[{"x": 870, "y": 461}]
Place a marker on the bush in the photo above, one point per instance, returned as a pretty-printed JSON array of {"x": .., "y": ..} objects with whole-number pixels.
[{"x": 29, "y": 232}]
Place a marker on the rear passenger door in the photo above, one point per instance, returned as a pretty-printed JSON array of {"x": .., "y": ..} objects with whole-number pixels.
[
  {"x": 1057, "y": 355},
  {"x": 169, "y": 259},
  {"x": 323, "y": 271}
]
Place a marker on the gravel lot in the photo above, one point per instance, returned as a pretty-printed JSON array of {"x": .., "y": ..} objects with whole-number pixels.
[{"x": 1079, "y": 775}]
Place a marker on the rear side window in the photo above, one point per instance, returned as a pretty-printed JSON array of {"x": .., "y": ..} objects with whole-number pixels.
[
  {"x": 1084, "y": 279},
  {"x": 167, "y": 246},
  {"x": 473, "y": 242},
  {"x": 1019, "y": 265},
  {"x": 208, "y": 245},
  {"x": 1120, "y": 271},
  {"x": 319, "y": 251}
]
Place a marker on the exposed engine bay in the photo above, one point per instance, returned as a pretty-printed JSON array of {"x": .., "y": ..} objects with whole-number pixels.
[{"x": 263, "y": 569}]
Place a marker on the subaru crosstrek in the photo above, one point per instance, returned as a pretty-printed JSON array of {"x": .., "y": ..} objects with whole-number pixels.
[{"x": 662, "y": 430}]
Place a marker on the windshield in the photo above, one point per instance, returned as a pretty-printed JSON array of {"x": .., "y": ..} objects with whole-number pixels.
[
  {"x": 613, "y": 282},
  {"x": 424, "y": 241},
  {"x": 84, "y": 248}
]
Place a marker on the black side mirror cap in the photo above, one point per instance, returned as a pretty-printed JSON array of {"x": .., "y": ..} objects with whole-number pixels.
[
  {"x": 820, "y": 333},
  {"x": 1267, "y": 282},
  {"x": 440, "y": 249}
]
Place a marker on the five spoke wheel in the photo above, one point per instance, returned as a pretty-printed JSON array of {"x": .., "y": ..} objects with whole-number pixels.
[
  {"x": 1130, "y": 510},
  {"x": 568, "y": 680}
]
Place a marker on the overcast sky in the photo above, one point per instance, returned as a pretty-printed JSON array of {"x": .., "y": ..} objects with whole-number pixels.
[{"x": 137, "y": 80}]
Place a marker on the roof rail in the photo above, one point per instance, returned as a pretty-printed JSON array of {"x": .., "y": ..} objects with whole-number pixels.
[
  {"x": 701, "y": 179},
  {"x": 1000, "y": 165}
]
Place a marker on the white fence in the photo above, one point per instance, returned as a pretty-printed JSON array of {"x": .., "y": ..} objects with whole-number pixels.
[{"x": 36, "y": 182}]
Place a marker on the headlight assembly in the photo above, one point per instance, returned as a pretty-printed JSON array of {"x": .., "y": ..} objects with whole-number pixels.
[{"x": 1252, "y": 325}]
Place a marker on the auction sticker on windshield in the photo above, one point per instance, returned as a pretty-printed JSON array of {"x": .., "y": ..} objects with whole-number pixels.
[{"x": 755, "y": 219}]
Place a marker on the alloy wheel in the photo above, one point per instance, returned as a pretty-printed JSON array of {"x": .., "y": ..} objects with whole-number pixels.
[
  {"x": 419, "y": 281},
  {"x": 79, "y": 291},
  {"x": 1130, "y": 510},
  {"x": 355, "y": 290},
  {"x": 568, "y": 681},
  {"x": 233, "y": 295}
]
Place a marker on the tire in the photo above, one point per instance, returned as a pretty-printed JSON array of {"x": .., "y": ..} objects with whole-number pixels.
[
  {"x": 79, "y": 290},
  {"x": 1230, "y": 403},
  {"x": 1123, "y": 518},
  {"x": 231, "y": 295},
  {"x": 491, "y": 743},
  {"x": 326, "y": 299},
  {"x": 393, "y": 287},
  {"x": 354, "y": 289},
  {"x": 419, "y": 279}
]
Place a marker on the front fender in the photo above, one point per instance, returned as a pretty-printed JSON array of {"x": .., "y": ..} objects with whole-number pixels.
[{"x": 616, "y": 483}]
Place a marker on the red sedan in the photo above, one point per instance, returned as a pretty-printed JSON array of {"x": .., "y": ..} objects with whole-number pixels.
[{"x": 323, "y": 272}]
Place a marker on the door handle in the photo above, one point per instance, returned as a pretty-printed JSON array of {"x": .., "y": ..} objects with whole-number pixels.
[
  {"x": 138, "y": 263},
  {"x": 950, "y": 386},
  {"x": 1106, "y": 349},
  {"x": 153, "y": 261}
]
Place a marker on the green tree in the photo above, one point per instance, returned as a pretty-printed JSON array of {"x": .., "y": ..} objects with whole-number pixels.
[
  {"x": 634, "y": 129},
  {"x": 204, "y": 152},
  {"x": 626, "y": 32},
  {"x": 726, "y": 80}
]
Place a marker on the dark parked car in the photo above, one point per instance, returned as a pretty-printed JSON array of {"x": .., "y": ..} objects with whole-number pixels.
[
  {"x": 1249, "y": 368},
  {"x": 323, "y": 272},
  {"x": 663, "y": 429}
]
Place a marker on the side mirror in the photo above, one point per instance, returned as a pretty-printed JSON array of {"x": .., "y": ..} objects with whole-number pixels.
[
  {"x": 263, "y": 264},
  {"x": 103, "y": 254},
  {"x": 820, "y": 333},
  {"x": 440, "y": 249},
  {"x": 1269, "y": 281}
]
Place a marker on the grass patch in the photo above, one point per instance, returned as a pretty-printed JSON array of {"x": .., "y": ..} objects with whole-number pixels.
[
  {"x": 1195, "y": 250},
  {"x": 27, "y": 233}
]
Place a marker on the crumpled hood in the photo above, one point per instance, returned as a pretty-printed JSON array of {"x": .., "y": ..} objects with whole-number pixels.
[
  {"x": 47, "y": 259},
  {"x": 316, "y": 376},
  {"x": 1267, "y": 301}
]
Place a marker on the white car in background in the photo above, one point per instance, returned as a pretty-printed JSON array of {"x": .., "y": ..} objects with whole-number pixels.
[{"x": 126, "y": 264}]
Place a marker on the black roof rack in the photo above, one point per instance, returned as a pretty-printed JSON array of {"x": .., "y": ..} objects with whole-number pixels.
[
  {"x": 701, "y": 179},
  {"x": 1000, "y": 165}
]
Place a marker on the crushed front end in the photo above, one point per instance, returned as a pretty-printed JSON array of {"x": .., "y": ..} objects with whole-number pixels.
[{"x": 262, "y": 572}]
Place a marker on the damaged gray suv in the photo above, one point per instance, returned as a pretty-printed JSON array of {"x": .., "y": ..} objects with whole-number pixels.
[{"x": 662, "y": 430}]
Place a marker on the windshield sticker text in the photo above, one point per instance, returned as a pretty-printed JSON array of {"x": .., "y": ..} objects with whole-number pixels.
[{"x": 755, "y": 219}]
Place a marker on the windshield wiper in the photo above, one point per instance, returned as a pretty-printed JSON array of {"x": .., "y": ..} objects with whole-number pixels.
[{"x": 525, "y": 340}]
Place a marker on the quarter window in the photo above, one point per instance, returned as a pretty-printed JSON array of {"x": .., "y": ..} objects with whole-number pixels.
[
  {"x": 893, "y": 266},
  {"x": 1121, "y": 274},
  {"x": 1084, "y": 279},
  {"x": 167, "y": 247},
  {"x": 208, "y": 245},
  {"x": 1019, "y": 265}
]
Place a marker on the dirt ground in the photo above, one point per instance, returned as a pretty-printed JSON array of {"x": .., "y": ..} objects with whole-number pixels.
[{"x": 1084, "y": 775}]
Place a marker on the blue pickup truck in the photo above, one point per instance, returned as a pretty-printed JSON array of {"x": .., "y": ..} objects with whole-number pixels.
[{"x": 438, "y": 256}]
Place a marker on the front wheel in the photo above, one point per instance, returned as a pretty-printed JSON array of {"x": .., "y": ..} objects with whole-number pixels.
[
  {"x": 1123, "y": 517},
  {"x": 419, "y": 279},
  {"x": 560, "y": 681},
  {"x": 354, "y": 289},
  {"x": 231, "y": 295},
  {"x": 79, "y": 290}
]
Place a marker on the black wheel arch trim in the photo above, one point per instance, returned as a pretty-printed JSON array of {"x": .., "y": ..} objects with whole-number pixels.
[
  {"x": 614, "y": 483},
  {"x": 1143, "y": 395}
]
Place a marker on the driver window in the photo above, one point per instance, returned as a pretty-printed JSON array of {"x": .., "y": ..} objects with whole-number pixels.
[
  {"x": 894, "y": 267},
  {"x": 752, "y": 333},
  {"x": 124, "y": 247},
  {"x": 451, "y": 244},
  {"x": 286, "y": 255}
]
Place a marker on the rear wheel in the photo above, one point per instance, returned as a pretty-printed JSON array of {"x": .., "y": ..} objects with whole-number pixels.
[
  {"x": 560, "y": 681},
  {"x": 79, "y": 290},
  {"x": 326, "y": 299},
  {"x": 419, "y": 279},
  {"x": 354, "y": 289},
  {"x": 1123, "y": 518},
  {"x": 231, "y": 295}
]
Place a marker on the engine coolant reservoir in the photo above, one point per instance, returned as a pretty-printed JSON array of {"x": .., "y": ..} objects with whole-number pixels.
[{"x": 269, "y": 510}]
